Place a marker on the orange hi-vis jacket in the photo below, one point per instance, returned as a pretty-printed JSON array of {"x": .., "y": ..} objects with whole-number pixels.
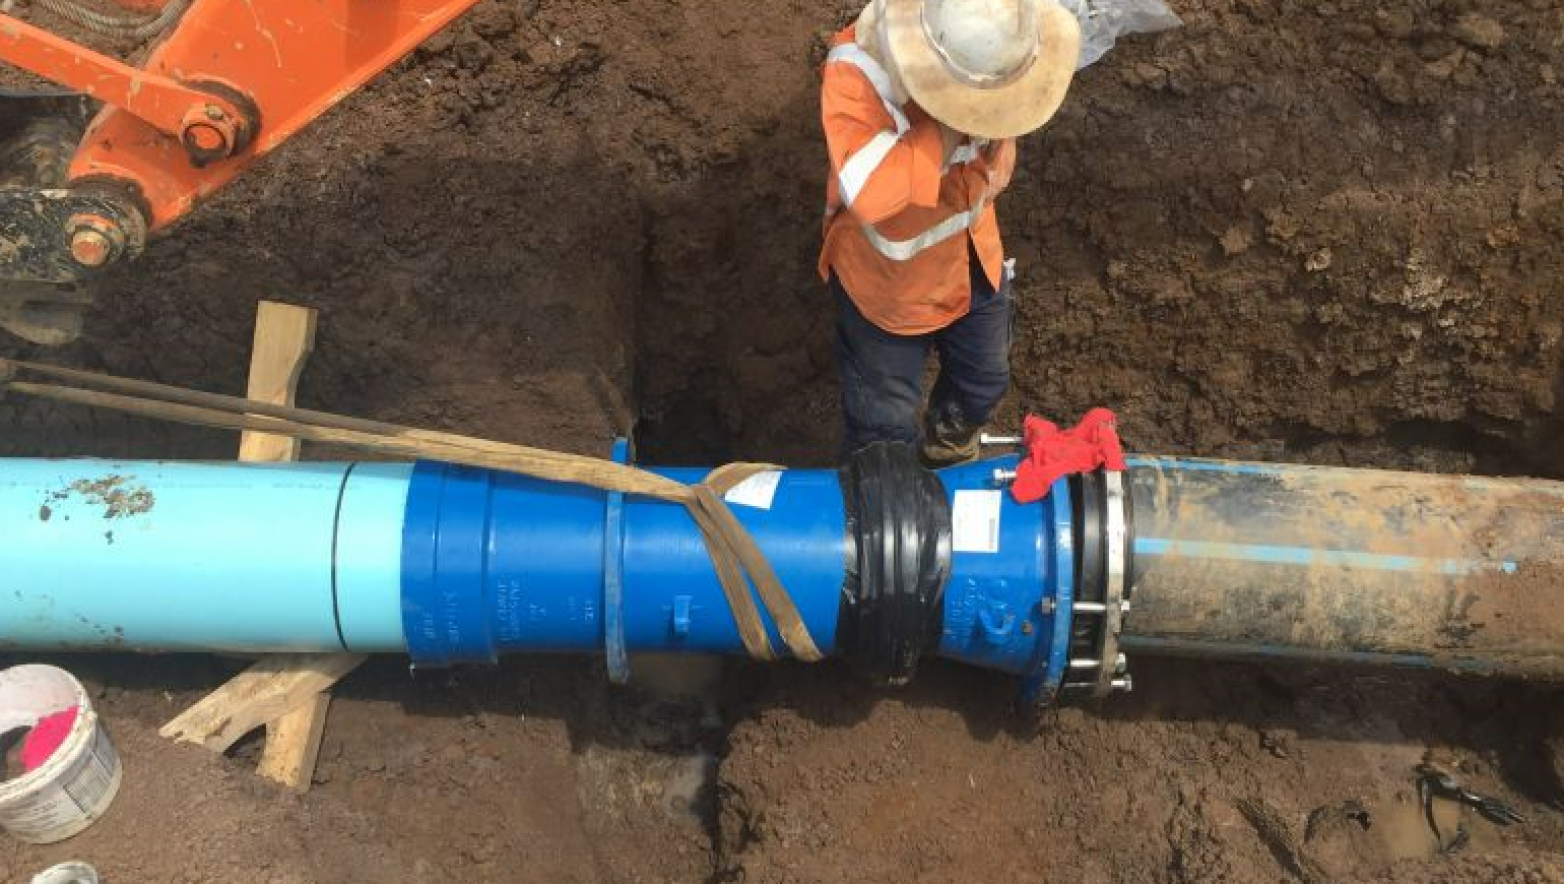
[{"x": 897, "y": 218}]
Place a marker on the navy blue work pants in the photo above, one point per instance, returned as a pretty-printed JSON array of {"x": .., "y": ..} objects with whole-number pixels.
[{"x": 882, "y": 373}]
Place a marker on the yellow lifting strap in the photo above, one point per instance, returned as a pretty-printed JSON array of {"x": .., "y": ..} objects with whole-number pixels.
[{"x": 735, "y": 556}]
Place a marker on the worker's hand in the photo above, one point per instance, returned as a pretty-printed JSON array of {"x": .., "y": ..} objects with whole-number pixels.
[
  {"x": 1001, "y": 164},
  {"x": 950, "y": 139}
]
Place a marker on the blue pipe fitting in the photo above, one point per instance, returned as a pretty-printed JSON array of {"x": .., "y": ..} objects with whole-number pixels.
[
  {"x": 494, "y": 563},
  {"x": 1008, "y": 602},
  {"x": 887, "y": 563}
]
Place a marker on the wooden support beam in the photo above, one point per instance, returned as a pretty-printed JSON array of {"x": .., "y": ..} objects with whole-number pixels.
[
  {"x": 287, "y": 693},
  {"x": 267, "y": 691},
  {"x": 293, "y": 744},
  {"x": 284, "y": 339}
]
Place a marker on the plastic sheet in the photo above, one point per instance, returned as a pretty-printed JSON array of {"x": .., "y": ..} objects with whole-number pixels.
[{"x": 1103, "y": 22}]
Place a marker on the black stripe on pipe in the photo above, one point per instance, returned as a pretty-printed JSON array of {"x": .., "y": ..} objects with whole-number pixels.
[{"x": 336, "y": 529}]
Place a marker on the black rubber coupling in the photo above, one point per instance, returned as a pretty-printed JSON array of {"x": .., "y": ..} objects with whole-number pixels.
[{"x": 898, "y": 531}]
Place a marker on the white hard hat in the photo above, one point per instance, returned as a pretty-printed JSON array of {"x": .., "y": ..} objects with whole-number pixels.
[{"x": 990, "y": 68}]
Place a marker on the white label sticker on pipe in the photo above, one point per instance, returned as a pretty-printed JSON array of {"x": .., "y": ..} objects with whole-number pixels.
[
  {"x": 757, "y": 491},
  {"x": 974, "y": 521}
]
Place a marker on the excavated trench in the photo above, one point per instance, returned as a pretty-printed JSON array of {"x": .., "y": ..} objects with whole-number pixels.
[{"x": 1297, "y": 231}]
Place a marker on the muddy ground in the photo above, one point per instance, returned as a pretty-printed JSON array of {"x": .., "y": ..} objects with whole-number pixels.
[{"x": 1321, "y": 231}]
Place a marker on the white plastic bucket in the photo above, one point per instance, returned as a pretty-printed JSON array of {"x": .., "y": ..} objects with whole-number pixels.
[{"x": 76, "y": 784}]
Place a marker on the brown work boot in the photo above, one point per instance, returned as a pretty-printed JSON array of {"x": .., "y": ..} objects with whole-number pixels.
[{"x": 948, "y": 440}]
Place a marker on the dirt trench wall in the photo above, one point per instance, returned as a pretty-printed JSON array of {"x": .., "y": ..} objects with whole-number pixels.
[
  {"x": 1284, "y": 224},
  {"x": 1296, "y": 221}
]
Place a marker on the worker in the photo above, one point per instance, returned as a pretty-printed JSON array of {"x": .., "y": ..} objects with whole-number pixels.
[{"x": 921, "y": 102}]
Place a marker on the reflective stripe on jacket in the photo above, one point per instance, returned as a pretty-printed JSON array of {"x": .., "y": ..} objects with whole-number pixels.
[{"x": 898, "y": 218}]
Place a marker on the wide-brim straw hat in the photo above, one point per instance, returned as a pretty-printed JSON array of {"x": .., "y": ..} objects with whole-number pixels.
[{"x": 1018, "y": 97}]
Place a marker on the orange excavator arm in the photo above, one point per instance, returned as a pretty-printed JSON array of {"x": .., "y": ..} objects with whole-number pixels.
[{"x": 230, "y": 81}]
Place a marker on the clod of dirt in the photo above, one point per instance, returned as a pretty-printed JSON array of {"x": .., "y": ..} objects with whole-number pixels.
[
  {"x": 1236, "y": 241},
  {"x": 1277, "y": 832},
  {"x": 116, "y": 496},
  {"x": 1318, "y": 261},
  {"x": 1478, "y": 30},
  {"x": 11, "y": 743},
  {"x": 1274, "y": 742}
]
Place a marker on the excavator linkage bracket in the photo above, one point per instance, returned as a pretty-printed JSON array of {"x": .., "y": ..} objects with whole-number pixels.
[
  {"x": 39, "y": 227},
  {"x": 41, "y": 213}
]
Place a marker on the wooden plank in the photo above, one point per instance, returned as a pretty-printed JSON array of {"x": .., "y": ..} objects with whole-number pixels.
[
  {"x": 293, "y": 744},
  {"x": 263, "y": 693},
  {"x": 288, "y": 693},
  {"x": 284, "y": 339}
]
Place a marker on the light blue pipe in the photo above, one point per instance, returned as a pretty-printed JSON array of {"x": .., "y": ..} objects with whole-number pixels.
[{"x": 187, "y": 556}]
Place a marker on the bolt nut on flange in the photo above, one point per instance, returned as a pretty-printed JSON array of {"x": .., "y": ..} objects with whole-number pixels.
[
  {"x": 1123, "y": 684},
  {"x": 1099, "y": 607},
  {"x": 95, "y": 240}
]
